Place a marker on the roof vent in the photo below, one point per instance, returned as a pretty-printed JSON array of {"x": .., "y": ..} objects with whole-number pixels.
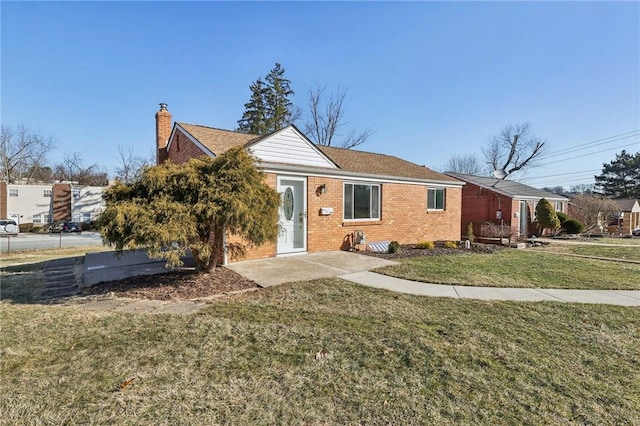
[{"x": 163, "y": 106}]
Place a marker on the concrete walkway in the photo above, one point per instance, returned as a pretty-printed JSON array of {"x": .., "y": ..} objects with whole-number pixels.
[
  {"x": 610, "y": 297},
  {"x": 305, "y": 267}
]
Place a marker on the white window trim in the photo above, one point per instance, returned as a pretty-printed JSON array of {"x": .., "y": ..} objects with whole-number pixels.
[
  {"x": 344, "y": 194},
  {"x": 444, "y": 199}
]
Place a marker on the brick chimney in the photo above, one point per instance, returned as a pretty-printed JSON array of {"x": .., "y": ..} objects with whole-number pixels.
[{"x": 163, "y": 131}]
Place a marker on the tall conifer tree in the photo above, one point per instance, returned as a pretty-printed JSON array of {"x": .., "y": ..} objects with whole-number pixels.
[
  {"x": 270, "y": 107},
  {"x": 621, "y": 177}
]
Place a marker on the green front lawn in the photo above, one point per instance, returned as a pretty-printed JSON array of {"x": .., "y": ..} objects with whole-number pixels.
[
  {"x": 627, "y": 253},
  {"x": 518, "y": 268},
  {"x": 324, "y": 352}
]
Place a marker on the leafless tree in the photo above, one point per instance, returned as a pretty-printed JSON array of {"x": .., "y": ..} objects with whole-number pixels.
[
  {"x": 514, "y": 150},
  {"x": 22, "y": 153},
  {"x": 582, "y": 189},
  {"x": 131, "y": 166},
  {"x": 592, "y": 210},
  {"x": 71, "y": 169},
  {"x": 326, "y": 120},
  {"x": 466, "y": 164}
]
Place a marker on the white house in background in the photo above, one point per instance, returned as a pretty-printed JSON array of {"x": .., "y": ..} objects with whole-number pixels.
[
  {"x": 41, "y": 204},
  {"x": 86, "y": 203}
]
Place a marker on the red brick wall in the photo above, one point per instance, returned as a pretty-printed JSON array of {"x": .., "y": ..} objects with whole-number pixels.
[
  {"x": 163, "y": 131},
  {"x": 479, "y": 205},
  {"x": 182, "y": 149},
  {"x": 3, "y": 200},
  {"x": 61, "y": 201}
]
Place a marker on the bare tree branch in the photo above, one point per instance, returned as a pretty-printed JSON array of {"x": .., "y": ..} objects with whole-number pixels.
[
  {"x": 326, "y": 119},
  {"x": 514, "y": 149},
  {"x": 22, "y": 152},
  {"x": 131, "y": 165},
  {"x": 467, "y": 164}
]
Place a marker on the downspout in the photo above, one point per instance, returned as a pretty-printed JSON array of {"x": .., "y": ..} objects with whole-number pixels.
[{"x": 224, "y": 246}]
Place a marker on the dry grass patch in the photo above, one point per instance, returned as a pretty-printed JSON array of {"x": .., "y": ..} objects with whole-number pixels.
[{"x": 324, "y": 352}]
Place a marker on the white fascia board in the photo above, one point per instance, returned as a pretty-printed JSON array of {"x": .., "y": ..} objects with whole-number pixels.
[
  {"x": 190, "y": 137},
  {"x": 353, "y": 176}
]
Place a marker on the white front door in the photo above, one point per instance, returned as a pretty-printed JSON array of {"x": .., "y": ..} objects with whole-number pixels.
[{"x": 292, "y": 235}]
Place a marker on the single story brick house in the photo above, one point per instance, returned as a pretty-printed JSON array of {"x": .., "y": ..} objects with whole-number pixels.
[
  {"x": 329, "y": 195},
  {"x": 492, "y": 200}
]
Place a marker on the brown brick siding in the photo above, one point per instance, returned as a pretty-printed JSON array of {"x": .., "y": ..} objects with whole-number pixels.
[
  {"x": 61, "y": 196},
  {"x": 3, "y": 200}
]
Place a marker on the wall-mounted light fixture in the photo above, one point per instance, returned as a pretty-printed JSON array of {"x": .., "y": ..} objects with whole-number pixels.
[{"x": 322, "y": 189}]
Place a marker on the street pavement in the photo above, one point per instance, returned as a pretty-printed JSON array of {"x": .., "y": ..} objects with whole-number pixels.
[{"x": 28, "y": 241}]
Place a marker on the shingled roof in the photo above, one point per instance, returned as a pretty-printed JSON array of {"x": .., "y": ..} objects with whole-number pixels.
[
  {"x": 218, "y": 140},
  {"x": 510, "y": 188},
  {"x": 627, "y": 205},
  {"x": 380, "y": 164}
]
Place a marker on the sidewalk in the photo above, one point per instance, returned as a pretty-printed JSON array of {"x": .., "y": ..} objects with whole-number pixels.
[{"x": 609, "y": 297}]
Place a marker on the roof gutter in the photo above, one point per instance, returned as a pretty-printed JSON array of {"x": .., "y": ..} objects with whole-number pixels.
[{"x": 340, "y": 173}]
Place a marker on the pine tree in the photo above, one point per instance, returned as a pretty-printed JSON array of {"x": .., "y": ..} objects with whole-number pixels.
[
  {"x": 546, "y": 215},
  {"x": 269, "y": 108},
  {"x": 279, "y": 105},
  {"x": 621, "y": 177},
  {"x": 255, "y": 114},
  {"x": 175, "y": 208}
]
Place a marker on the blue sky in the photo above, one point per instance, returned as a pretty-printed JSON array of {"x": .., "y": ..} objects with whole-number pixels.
[{"x": 432, "y": 79}]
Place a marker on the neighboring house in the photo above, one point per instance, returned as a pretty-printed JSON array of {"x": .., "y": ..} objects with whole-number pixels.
[
  {"x": 502, "y": 201},
  {"x": 41, "y": 204},
  {"x": 627, "y": 219},
  {"x": 329, "y": 193}
]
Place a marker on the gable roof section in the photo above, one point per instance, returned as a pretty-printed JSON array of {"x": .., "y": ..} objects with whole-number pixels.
[
  {"x": 215, "y": 140},
  {"x": 381, "y": 164},
  {"x": 289, "y": 146},
  {"x": 509, "y": 188},
  {"x": 630, "y": 205}
]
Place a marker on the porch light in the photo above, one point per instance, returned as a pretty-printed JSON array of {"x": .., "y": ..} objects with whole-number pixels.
[{"x": 322, "y": 189}]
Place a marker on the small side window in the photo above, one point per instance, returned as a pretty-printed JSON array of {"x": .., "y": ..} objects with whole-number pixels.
[{"x": 436, "y": 198}]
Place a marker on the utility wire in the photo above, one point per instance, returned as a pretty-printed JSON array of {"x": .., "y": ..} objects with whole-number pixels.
[
  {"x": 596, "y": 142},
  {"x": 561, "y": 174},
  {"x": 587, "y": 154},
  {"x": 579, "y": 148}
]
